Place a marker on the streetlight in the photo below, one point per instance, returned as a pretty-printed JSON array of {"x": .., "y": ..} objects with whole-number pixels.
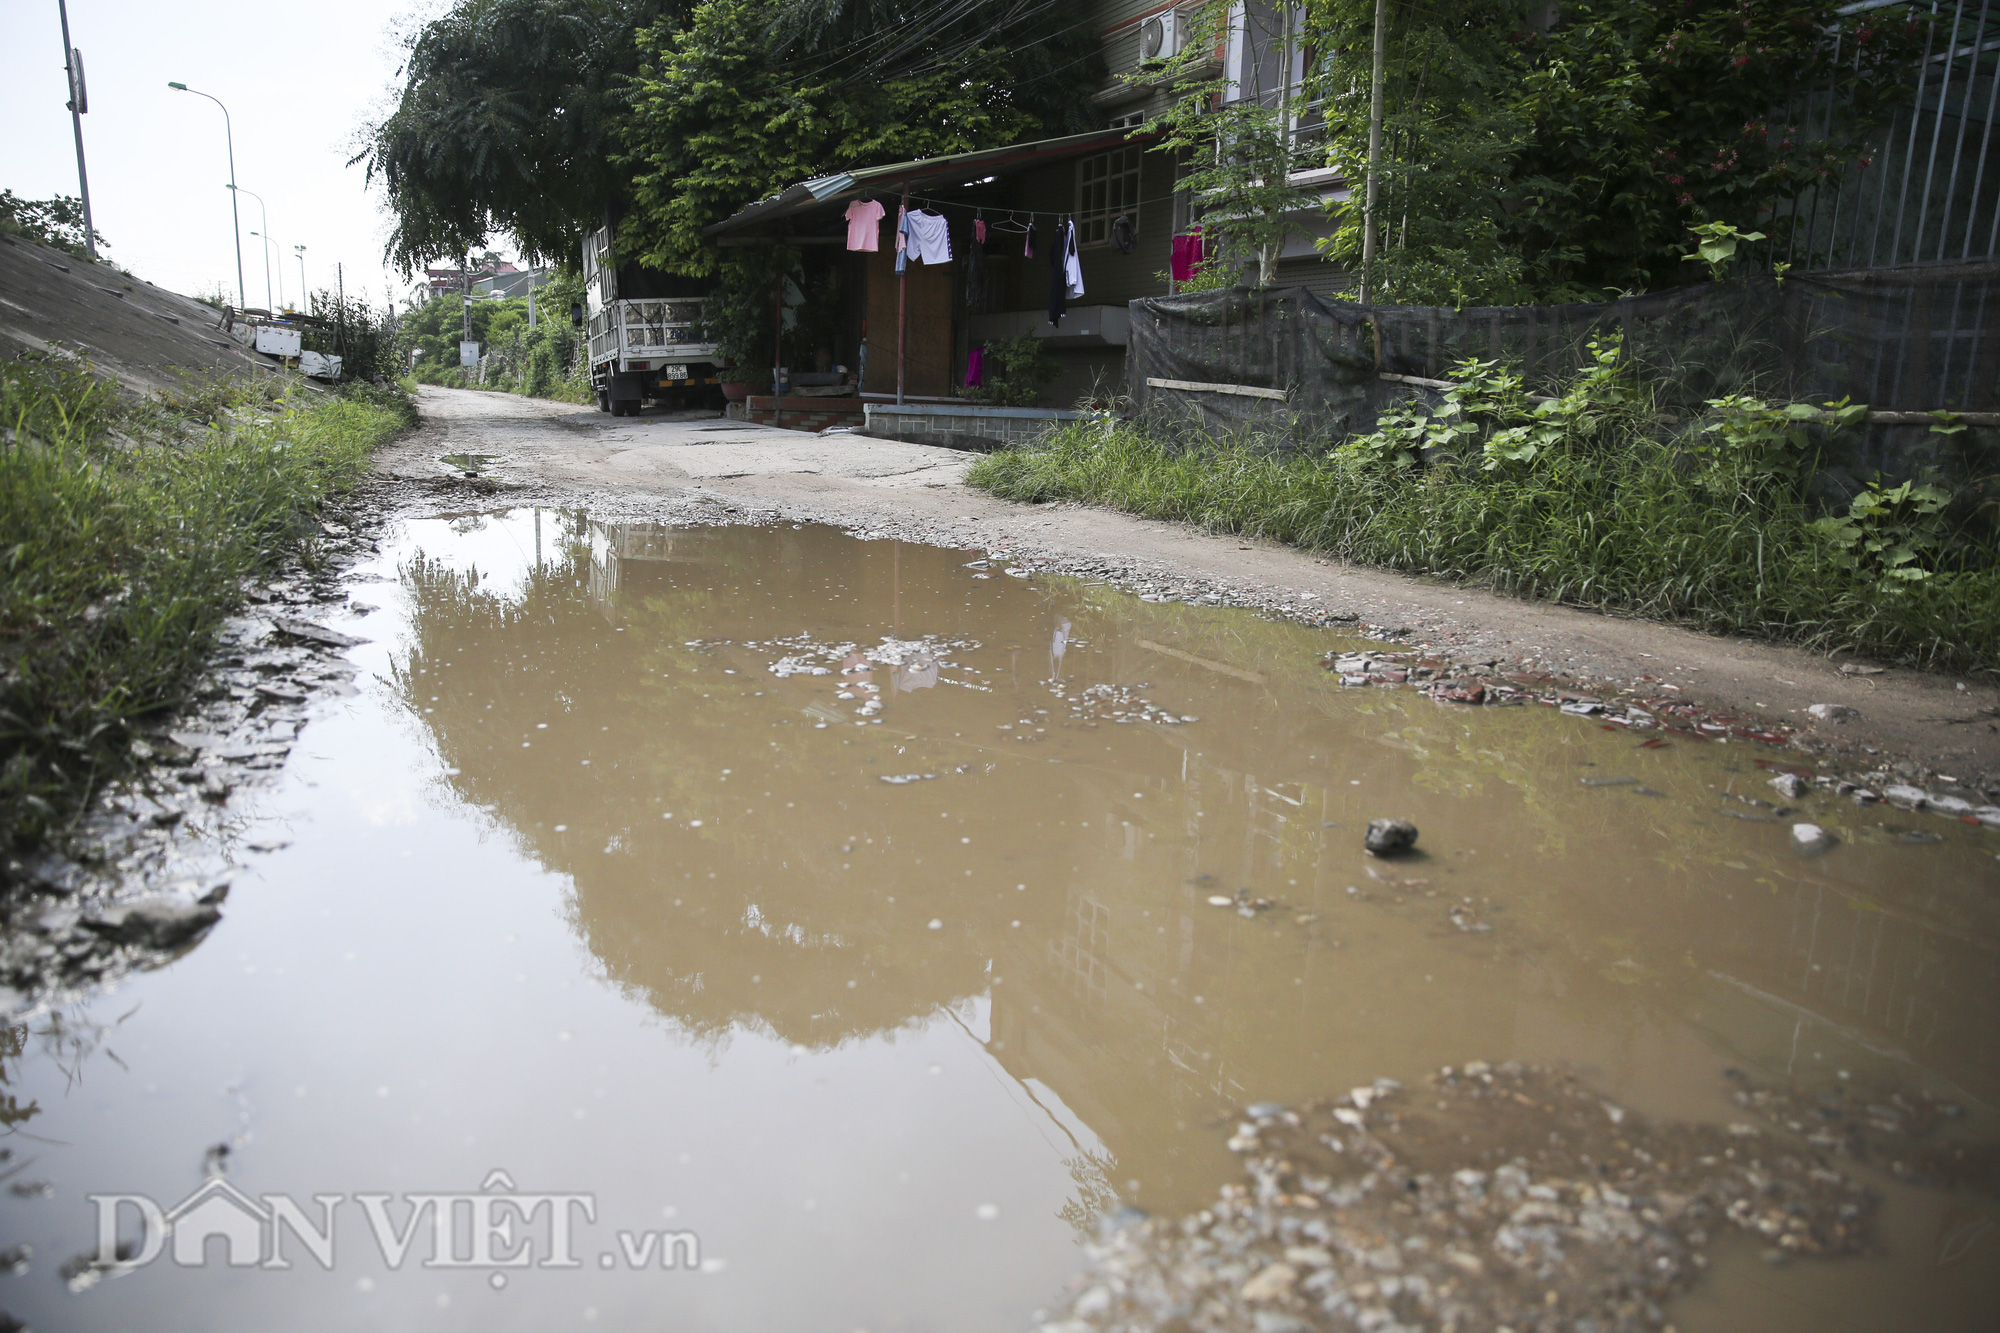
[
  {"x": 235, "y": 222},
  {"x": 265, "y": 217},
  {"x": 300, "y": 251},
  {"x": 268, "y": 243}
]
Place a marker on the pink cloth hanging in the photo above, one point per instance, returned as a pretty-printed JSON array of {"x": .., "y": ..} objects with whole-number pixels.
[
  {"x": 1188, "y": 253},
  {"x": 975, "y": 367}
]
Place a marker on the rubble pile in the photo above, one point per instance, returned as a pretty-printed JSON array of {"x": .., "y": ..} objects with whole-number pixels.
[{"x": 1504, "y": 1197}]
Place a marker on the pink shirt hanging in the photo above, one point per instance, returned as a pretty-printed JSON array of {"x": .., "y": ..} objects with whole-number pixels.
[{"x": 864, "y": 225}]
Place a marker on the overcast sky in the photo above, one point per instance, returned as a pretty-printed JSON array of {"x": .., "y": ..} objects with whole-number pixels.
[{"x": 299, "y": 79}]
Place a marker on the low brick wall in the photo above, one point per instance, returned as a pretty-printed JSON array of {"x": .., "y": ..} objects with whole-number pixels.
[
  {"x": 967, "y": 426},
  {"x": 794, "y": 413}
]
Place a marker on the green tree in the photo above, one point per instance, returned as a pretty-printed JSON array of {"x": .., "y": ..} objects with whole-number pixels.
[
  {"x": 56, "y": 222},
  {"x": 506, "y": 123},
  {"x": 1568, "y": 157},
  {"x": 749, "y": 96}
]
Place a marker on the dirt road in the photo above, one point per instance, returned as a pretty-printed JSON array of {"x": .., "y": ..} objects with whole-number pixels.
[{"x": 559, "y": 454}]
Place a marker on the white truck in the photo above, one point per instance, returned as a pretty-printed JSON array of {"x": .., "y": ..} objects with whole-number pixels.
[{"x": 642, "y": 347}]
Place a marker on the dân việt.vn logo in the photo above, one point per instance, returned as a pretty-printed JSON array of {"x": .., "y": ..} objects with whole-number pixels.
[{"x": 498, "y": 1227}]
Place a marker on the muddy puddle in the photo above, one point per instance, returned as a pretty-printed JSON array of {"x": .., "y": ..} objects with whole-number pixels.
[{"x": 762, "y": 928}]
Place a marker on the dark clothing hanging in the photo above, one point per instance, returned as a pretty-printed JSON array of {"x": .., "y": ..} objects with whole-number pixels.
[
  {"x": 1058, "y": 281},
  {"x": 975, "y": 269},
  {"x": 1124, "y": 234}
]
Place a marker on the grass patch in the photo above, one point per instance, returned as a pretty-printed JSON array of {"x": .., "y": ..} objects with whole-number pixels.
[
  {"x": 1631, "y": 529},
  {"x": 127, "y": 533}
]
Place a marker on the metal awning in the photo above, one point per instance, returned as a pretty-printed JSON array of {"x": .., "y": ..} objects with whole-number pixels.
[{"x": 930, "y": 172}]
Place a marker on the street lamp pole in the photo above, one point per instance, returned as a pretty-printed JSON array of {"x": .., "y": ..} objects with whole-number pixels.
[
  {"x": 264, "y": 217},
  {"x": 305, "y": 299},
  {"x": 79, "y": 102},
  {"x": 268, "y": 244},
  {"x": 235, "y": 222}
]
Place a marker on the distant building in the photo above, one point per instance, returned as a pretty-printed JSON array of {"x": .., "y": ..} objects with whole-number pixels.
[
  {"x": 443, "y": 281},
  {"x": 511, "y": 281},
  {"x": 490, "y": 276}
]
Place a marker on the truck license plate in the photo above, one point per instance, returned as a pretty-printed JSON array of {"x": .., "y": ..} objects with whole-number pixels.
[{"x": 674, "y": 372}]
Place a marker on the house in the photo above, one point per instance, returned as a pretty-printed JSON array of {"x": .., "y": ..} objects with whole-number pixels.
[{"x": 911, "y": 338}]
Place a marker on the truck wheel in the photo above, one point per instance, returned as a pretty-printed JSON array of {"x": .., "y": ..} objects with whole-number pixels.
[{"x": 603, "y": 401}]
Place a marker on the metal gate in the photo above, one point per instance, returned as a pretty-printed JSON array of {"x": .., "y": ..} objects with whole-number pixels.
[{"x": 1930, "y": 191}]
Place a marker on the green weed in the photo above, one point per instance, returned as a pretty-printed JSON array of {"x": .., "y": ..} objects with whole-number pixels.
[
  {"x": 127, "y": 533},
  {"x": 1627, "y": 529}
]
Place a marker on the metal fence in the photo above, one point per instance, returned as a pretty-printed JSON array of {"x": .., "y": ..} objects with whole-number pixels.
[{"x": 1931, "y": 188}]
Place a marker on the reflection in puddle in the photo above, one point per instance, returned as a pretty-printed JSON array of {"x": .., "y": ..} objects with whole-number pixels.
[
  {"x": 885, "y": 924},
  {"x": 470, "y": 465}
]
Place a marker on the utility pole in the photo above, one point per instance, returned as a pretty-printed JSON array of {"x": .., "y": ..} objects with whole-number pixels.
[
  {"x": 1374, "y": 153},
  {"x": 300, "y": 251},
  {"x": 340, "y": 310},
  {"x": 79, "y": 102}
]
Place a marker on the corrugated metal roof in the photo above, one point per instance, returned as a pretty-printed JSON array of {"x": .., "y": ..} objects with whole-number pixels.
[{"x": 809, "y": 196}]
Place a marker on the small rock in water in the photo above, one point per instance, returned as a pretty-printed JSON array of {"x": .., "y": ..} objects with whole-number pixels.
[
  {"x": 160, "y": 922},
  {"x": 1790, "y": 786},
  {"x": 312, "y": 633},
  {"x": 1812, "y": 838},
  {"x": 1833, "y": 712},
  {"x": 1389, "y": 837}
]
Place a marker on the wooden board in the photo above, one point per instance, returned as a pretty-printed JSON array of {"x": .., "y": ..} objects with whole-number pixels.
[{"x": 928, "y": 338}]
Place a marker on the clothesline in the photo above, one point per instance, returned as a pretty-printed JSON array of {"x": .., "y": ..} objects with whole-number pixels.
[{"x": 939, "y": 204}]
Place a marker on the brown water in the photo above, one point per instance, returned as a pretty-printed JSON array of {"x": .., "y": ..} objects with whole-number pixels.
[{"x": 581, "y": 890}]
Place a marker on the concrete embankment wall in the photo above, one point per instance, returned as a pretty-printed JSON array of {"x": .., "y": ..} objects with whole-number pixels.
[{"x": 131, "y": 330}]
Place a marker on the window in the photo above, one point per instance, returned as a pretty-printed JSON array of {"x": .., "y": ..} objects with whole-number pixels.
[
  {"x": 1106, "y": 187},
  {"x": 1269, "y": 62}
]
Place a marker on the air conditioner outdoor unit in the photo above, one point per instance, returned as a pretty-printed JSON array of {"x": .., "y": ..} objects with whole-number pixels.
[{"x": 1162, "y": 36}]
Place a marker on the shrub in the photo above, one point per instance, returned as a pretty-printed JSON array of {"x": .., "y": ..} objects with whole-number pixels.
[
  {"x": 1014, "y": 372},
  {"x": 1611, "y": 510}
]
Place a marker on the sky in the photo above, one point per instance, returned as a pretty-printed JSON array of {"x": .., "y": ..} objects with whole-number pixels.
[{"x": 299, "y": 82}]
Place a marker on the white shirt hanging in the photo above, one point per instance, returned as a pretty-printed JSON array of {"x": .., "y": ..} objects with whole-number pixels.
[{"x": 1072, "y": 269}]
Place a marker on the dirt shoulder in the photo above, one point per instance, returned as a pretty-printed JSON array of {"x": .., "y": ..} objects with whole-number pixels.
[{"x": 1901, "y": 723}]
